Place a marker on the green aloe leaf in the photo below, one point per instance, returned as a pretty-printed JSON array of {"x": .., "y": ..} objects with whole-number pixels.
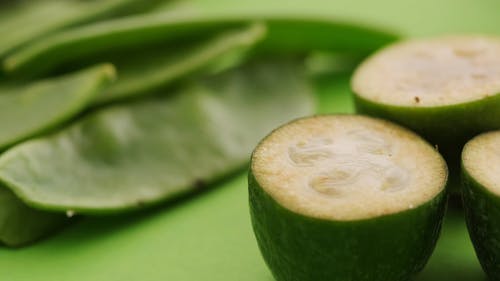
[
  {"x": 148, "y": 70},
  {"x": 20, "y": 224},
  {"x": 33, "y": 109},
  {"x": 32, "y": 19},
  {"x": 287, "y": 33},
  {"x": 132, "y": 155}
]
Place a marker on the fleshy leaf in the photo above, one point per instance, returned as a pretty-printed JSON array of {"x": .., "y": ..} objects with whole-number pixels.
[
  {"x": 132, "y": 155},
  {"x": 33, "y": 19},
  {"x": 20, "y": 224},
  {"x": 288, "y": 33},
  {"x": 28, "y": 110}
]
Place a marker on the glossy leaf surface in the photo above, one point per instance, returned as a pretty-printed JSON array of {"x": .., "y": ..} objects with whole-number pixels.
[
  {"x": 137, "y": 154},
  {"x": 148, "y": 69},
  {"x": 28, "y": 110},
  {"x": 32, "y": 19},
  {"x": 288, "y": 33}
]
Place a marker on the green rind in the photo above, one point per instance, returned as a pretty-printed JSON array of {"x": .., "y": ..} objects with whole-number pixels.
[
  {"x": 20, "y": 224},
  {"x": 151, "y": 71},
  {"x": 333, "y": 250},
  {"x": 286, "y": 33},
  {"x": 482, "y": 213},
  {"x": 29, "y": 110},
  {"x": 134, "y": 155},
  {"x": 448, "y": 124},
  {"x": 447, "y": 127},
  {"x": 387, "y": 248}
]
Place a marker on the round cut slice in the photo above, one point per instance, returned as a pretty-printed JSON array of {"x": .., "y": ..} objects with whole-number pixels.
[
  {"x": 481, "y": 175},
  {"x": 347, "y": 168},
  {"x": 335, "y": 193},
  {"x": 435, "y": 72},
  {"x": 447, "y": 89},
  {"x": 481, "y": 160}
]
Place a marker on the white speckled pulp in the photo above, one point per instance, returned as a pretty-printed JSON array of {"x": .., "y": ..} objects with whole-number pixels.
[
  {"x": 481, "y": 159},
  {"x": 347, "y": 167},
  {"x": 432, "y": 72}
]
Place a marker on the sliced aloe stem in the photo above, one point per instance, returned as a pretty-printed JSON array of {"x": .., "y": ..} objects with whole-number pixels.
[
  {"x": 29, "y": 110},
  {"x": 137, "y": 154},
  {"x": 148, "y": 71},
  {"x": 447, "y": 89},
  {"x": 333, "y": 194},
  {"x": 481, "y": 176},
  {"x": 20, "y": 224},
  {"x": 287, "y": 33}
]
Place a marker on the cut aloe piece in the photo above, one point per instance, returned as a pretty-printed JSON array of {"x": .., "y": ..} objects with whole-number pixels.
[
  {"x": 446, "y": 89},
  {"x": 346, "y": 197},
  {"x": 133, "y": 155},
  {"x": 287, "y": 33},
  {"x": 33, "y": 109},
  {"x": 149, "y": 70},
  {"x": 20, "y": 224},
  {"x": 481, "y": 176},
  {"x": 23, "y": 21}
]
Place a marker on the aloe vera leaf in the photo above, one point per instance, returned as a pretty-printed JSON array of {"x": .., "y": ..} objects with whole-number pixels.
[
  {"x": 32, "y": 19},
  {"x": 132, "y": 155},
  {"x": 20, "y": 224},
  {"x": 287, "y": 33},
  {"x": 148, "y": 70},
  {"x": 301, "y": 33},
  {"x": 29, "y": 110},
  {"x": 69, "y": 46}
]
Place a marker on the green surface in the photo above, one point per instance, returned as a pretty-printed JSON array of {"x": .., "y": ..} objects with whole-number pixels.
[{"x": 209, "y": 237}]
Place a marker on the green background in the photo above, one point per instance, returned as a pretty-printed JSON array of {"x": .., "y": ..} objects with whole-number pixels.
[{"x": 208, "y": 236}]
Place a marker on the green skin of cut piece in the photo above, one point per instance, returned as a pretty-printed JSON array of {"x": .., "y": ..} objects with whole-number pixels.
[
  {"x": 300, "y": 248},
  {"x": 482, "y": 213},
  {"x": 447, "y": 127},
  {"x": 287, "y": 34}
]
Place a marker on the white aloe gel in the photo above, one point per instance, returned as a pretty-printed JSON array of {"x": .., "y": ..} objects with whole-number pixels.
[
  {"x": 431, "y": 72},
  {"x": 347, "y": 167},
  {"x": 481, "y": 159}
]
